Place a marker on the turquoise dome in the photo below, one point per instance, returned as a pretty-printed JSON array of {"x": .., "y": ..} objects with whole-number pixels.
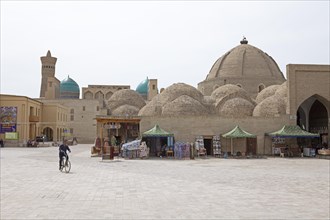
[
  {"x": 142, "y": 88},
  {"x": 69, "y": 89}
]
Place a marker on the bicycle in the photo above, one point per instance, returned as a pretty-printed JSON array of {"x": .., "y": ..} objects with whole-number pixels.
[{"x": 66, "y": 165}]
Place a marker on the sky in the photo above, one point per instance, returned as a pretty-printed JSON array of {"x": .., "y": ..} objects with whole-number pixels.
[{"x": 124, "y": 42}]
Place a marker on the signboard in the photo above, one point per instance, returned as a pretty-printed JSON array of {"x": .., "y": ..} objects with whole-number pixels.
[
  {"x": 8, "y": 119},
  {"x": 278, "y": 140},
  {"x": 11, "y": 135},
  {"x": 112, "y": 126},
  {"x": 66, "y": 133}
]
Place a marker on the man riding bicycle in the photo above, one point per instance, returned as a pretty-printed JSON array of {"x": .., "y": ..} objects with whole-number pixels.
[{"x": 63, "y": 152}]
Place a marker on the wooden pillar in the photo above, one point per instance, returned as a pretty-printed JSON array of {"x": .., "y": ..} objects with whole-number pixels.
[{"x": 101, "y": 136}]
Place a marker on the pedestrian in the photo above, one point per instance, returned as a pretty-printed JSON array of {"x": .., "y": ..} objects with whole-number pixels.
[
  {"x": 63, "y": 152},
  {"x": 2, "y": 143}
]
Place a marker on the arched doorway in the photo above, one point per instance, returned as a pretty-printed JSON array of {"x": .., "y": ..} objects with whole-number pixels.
[
  {"x": 313, "y": 116},
  {"x": 49, "y": 133}
]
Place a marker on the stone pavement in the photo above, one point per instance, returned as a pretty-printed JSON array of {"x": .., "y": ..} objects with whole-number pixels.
[{"x": 275, "y": 188}]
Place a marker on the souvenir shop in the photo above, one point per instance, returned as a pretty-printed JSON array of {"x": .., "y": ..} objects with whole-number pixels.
[
  {"x": 208, "y": 145},
  {"x": 117, "y": 130}
]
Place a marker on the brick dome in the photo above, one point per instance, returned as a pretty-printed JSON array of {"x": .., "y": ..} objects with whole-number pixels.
[{"x": 246, "y": 66}]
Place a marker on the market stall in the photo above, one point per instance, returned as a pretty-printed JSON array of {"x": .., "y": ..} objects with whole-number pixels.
[
  {"x": 114, "y": 130},
  {"x": 237, "y": 132},
  {"x": 293, "y": 131},
  {"x": 182, "y": 150},
  {"x": 131, "y": 149},
  {"x": 156, "y": 138}
]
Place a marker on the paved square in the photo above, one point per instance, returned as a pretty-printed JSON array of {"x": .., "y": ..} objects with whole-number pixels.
[{"x": 275, "y": 188}]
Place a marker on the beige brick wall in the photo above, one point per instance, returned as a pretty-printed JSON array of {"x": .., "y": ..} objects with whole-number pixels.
[{"x": 84, "y": 113}]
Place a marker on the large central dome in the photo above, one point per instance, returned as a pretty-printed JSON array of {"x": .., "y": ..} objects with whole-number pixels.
[{"x": 245, "y": 66}]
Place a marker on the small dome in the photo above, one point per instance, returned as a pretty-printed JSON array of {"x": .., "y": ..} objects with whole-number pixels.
[
  {"x": 142, "y": 88},
  {"x": 184, "y": 105},
  {"x": 125, "y": 110},
  {"x": 69, "y": 89},
  {"x": 178, "y": 89},
  {"x": 125, "y": 97},
  {"x": 237, "y": 107},
  {"x": 153, "y": 108},
  {"x": 177, "y": 99},
  {"x": 267, "y": 92},
  {"x": 272, "y": 106},
  {"x": 225, "y": 90},
  {"x": 282, "y": 90}
]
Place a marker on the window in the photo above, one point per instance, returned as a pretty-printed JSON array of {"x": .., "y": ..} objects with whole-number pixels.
[
  {"x": 72, "y": 111},
  {"x": 71, "y": 117},
  {"x": 71, "y": 130},
  {"x": 261, "y": 87},
  {"x": 97, "y": 108},
  {"x": 31, "y": 110},
  {"x": 153, "y": 87},
  {"x": 84, "y": 108}
]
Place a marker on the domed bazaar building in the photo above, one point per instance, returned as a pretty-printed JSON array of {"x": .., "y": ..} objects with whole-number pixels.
[{"x": 244, "y": 88}]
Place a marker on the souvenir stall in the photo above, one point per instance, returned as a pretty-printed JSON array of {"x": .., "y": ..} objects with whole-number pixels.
[
  {"x": 156, "y": 139},
  {"x": 143, "y": 150},
  {"x": 199, "y": 146},
  {"x": 117, "y": 130},
  {"x": 237, "y": 132},
  {"x": 294, "y": 131},
  {"x": 277, "y": 144},
  {"x": 216, "y": 146},
  {"x": 182, "y": 150},
  {"x": 130, "y": 150}
]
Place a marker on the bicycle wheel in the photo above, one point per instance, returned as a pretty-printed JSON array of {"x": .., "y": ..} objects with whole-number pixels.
[
  {"x": 67, "y": 166},
  {"x": 63, "y": 164}
]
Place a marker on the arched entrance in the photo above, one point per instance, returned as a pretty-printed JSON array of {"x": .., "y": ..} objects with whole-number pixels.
[
  {"x": 313, "y": 116},
  {"x": 49, "y": 133}
]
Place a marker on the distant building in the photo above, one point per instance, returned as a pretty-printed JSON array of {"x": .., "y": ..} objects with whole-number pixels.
[
  {"x": 69, "y": 89},
  {"x": 50, "y": 86},
  {"x": 147, "y": 89},
  {"x": 30, "y": 118}
]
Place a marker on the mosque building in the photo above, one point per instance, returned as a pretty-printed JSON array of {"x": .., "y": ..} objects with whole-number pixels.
[{"x": 244, "y": 87}]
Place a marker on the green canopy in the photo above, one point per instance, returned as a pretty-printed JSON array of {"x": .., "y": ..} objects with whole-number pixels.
[
  {"x": 237, "y": 132},
  {"x": 156, "y": 132},
  {"x": 292, "y": 131}
]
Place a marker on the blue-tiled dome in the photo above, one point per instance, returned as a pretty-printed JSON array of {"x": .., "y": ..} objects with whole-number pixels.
[
  {"x": 142, "y": 88},
  {"x": 69, "y": 89}
]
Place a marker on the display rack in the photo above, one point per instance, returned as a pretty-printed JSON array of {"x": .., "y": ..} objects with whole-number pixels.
[{"x": 216, "y": 145}]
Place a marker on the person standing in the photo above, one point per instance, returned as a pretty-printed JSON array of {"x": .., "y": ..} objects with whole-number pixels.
[{"x": 1, "y": 143}]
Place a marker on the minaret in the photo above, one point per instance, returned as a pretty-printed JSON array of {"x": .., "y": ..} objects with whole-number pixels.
[{"x": 47, "y": 69}]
